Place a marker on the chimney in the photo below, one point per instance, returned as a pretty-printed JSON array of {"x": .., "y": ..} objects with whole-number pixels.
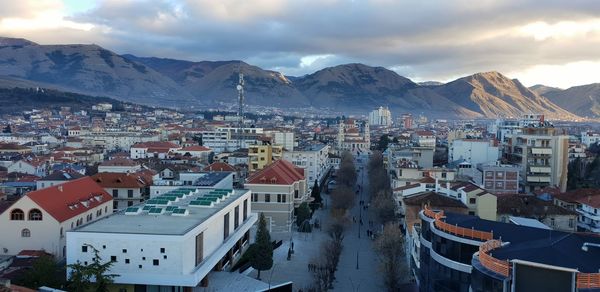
[{"x": 60, "y": 188}]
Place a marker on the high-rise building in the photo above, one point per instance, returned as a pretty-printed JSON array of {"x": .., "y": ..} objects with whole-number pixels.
[
  {"x": 542, "y": 153},
  {"x": 380, "y": 117}
]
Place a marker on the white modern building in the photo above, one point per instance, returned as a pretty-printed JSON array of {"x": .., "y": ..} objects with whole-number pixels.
[
  {"x": 474, "y": 151},
  {"x": 112, "y": 141},
  {"x": 169, "y": 243},
  {"x": 224, "y": 139},
  {"x": 313, "y": 158},
  {"x": 588, "y": 138},
  {"x": 380, "y": 117}
]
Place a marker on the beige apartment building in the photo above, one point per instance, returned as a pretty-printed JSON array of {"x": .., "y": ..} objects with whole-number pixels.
[
  {"x": 261, "y": 155},
  {"x": 277, "y": 190}
]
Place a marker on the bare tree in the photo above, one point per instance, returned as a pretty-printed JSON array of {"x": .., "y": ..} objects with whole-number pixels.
[
  {"x": 390, "y": 248},
  {"x": 342, "y": 198},
  {"x": 384, "y": 207}
]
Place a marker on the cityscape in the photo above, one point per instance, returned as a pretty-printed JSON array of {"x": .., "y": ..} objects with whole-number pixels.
[{"x": 261, "y": 146}]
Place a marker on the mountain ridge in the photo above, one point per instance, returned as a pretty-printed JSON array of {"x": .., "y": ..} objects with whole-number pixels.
[{"x": 353, "y": 87}]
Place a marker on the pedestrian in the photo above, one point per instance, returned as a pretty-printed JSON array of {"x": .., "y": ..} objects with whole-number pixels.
[
  {"x": 361, "y": 223},
  {"x": 309, "y": 267}
]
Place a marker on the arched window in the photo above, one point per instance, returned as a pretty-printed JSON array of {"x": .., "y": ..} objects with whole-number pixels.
[
  {"x": 35, "y": 215},
  {"x": 17, "y": 214},
  {"x": 25, "y": 233}
]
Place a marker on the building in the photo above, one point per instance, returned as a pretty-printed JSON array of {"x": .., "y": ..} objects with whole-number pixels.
[
  {"x": 313, "y": 158},
  {"x": 127, "y": 189},
  {"x": 480, "y": 202},
  {"x": 380, "y": 117},
  {"x": 422, "y": 156},
  {"x": 498, "y": 178},
  {"x": 56, "y": 178},
  {"x": 153, "y": 149},
  {"x": 464, "y": 253},
  {"x": 40, "y": 219},
  {"x": 120, "y": 164},
  {"x": 423, "y": 138},
  {"x": 528, "y": 206},
  {"x": 224, "y": 139},
  {"x": 406, "y": 121},
  {"x": 196, "y": 151},
  {"x": 174, "y": 240},
  {"x": 116, "y": 140},
  {"x": 261, "y": 155},
  {"x": 285, "y": 139},
  {"x": 589, "y": 138},
  {"x": 474, "y": 151},
  {"x": 542, "y": 154},
  {"x": 277, "y": 190},
  {"x": 411, "y": 206},
  {"x": 353, "y": 136}
]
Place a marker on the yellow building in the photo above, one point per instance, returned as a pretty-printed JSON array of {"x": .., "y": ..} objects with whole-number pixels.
[{"x": 261, "y": 155}]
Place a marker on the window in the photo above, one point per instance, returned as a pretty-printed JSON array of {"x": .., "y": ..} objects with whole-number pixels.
[
  {"x": 61, "y": 233},
  {"x": 127, "y": 261},
  {"x": 124, "y": 250},
  {"x": 267, "y": 198},
  {"x": 84, "y": 248},
  {"x": 140, "y": 266},
  {"x": 278, "y": 198},
  {"x": 225, "y": 226},
  {"x": 552, "y": 222},
  {"x": 471, "y": 213},
  {"x": 17, "y": 214},
  {"x": 25, "y": 233},
  {"x": 115, "y": 193},
  {"x": 130, "y": 203},
  {"x": 254, "y": 197},
  {"x": 130, "y": 193},
  {"x": 115, "y": 205},
  {"x": 571, "y": 223},
  {"x": 199, "y": 248},
  {"x": 245, "y": 210},
  {"x": 162, "y": 250},
  {"x": 155, "y": 262},
  {"x": 113, "y": 258},
  {"x": 236, "y": 217},
  {"x": 472, "y": 200}
]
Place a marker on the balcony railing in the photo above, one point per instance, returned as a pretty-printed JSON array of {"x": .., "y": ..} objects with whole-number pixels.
[
  {"x": 588, "y": 280},
  {"x": 454, "y": 229},
  {"x": 493, "y": 264},
  {"x": 503, "y": 267}
]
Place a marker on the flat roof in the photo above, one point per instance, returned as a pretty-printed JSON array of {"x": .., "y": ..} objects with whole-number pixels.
[{"x": 163, "y": 222}]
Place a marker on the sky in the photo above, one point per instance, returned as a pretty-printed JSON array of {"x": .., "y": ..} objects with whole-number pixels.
[{"x": 550, "y": 42}]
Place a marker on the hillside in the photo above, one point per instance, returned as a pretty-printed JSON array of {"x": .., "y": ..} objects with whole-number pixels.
[
  {"x": 353, "y": 88},
  {"x": 19, "y": 99},
  {"x": 494, "y": 95},
  {"x": 543, "y": 89},
  {"x": 581, "y": 100},
  {"x": 88, "y": 69}
]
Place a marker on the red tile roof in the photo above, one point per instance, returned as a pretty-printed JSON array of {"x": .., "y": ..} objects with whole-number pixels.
[
  {"x": 195, "y": 148},
  {"x": 70, "y": 199},
  {"x": 219, "y": 166},
  {"x": 155, "y": 145},
  {"x": 120, "y": 161},
  {"x": 121, "y": 180},
  {"x": 280, "y": 172}
]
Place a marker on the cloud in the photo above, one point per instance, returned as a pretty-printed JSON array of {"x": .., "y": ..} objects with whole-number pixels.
[{"x": 424, "y": 40}]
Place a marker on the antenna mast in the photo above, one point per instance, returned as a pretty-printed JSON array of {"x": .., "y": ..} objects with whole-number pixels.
[{"x": 240, "y": 89}]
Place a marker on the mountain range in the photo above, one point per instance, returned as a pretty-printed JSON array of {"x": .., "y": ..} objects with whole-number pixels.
[{"x": 353, "y": 88}]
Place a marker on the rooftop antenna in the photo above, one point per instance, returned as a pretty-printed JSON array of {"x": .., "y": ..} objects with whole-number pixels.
[{"x": 240, "y": 89}]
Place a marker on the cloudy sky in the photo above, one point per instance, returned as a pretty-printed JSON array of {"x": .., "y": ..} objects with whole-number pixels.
[{"x": 551, "y": 42}]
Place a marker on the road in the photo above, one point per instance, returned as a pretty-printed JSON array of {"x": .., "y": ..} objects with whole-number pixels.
[{"x": 358, "y": 266}]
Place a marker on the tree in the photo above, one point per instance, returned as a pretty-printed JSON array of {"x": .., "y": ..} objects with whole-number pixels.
[
  {"x": 316, "y": 195},
  {"x": 81, "y": 275},
  {"x": 302, "y": 216},
  {"x": 390, "y": 248},
  {"x": 263, "y": 252},
  {"x": 384, "y": 140},
  {"x": 342, "y": 198},
  {"x": 384, "y": 207},
  {"x": 44, "y": 272}
]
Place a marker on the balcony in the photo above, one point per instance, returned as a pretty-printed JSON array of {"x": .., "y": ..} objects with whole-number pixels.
[
  {"x": 592, "y": 227},
  {"x": 540, "y": 169},
  {"x": 588, "y": 214},
  {"x": 538, "y": 179},
  {"x": 541, "y": 151}
]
